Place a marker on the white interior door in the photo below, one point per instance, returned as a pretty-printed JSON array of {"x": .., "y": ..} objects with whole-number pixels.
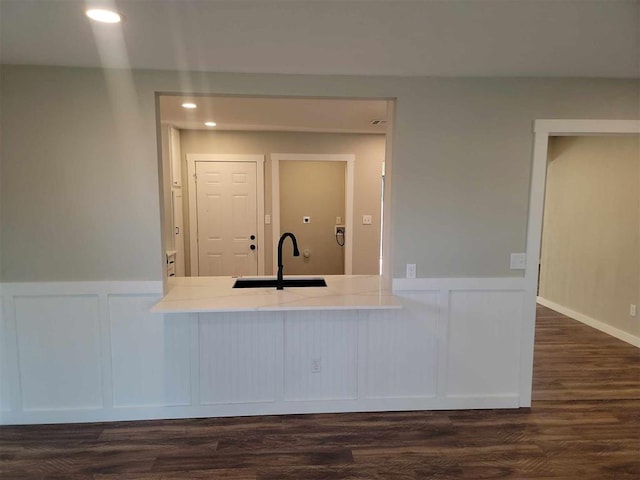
[{"x": 226, "y": 204}]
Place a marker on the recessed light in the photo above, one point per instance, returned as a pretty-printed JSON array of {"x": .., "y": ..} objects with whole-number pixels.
[
  {"x": 189, "y": 105},
  {"x": 103, "y": 16},
  {"x": 210, "y": 124}
]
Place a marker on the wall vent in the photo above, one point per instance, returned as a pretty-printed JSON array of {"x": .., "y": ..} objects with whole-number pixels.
[{"x": 378, "y": 122}]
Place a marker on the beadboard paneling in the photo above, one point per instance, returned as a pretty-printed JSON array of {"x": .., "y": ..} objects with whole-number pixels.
[
  {"x": 238, "y": 357},
  {"x": 59, "y": 352},
  {"x": 330, "y": 338},
  {"x": 149, "y": 354},
  {"x": 402, "y": 348},
  {"x": 484, "y": 342}
]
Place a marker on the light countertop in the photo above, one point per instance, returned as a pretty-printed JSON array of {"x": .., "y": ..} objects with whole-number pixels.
[{"x": 215, "y": 294}]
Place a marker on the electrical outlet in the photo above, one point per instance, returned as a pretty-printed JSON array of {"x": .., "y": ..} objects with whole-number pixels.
[
  {"x": 306, "y": 219},
  {"x": 316, "y": 365},
  {"x": 267, "y": 219},
  {"x": 367, "y": 219},
  {"x": 411, "y": 270},
  {"x": 632, "y": 310}
]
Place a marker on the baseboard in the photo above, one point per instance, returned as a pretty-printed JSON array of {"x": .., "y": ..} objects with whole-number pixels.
[
  {"x": 455, "y": 402},
  {"x": 592, "y": 322}
]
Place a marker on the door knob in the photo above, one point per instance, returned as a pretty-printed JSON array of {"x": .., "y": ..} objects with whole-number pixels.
[
  {"x": 252, "y": 247},
  {"x": 252, "y": 237}
]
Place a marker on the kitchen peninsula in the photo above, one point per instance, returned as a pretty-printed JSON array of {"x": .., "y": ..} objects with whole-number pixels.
[{"x": 354, "y": 345}]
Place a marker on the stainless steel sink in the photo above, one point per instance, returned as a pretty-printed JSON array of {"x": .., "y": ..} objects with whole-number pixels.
[{"x": 273, "y": 282}]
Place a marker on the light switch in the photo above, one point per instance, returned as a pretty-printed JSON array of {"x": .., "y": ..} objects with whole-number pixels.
[
  {"x": 338, "y": 220},
  {"x": 366, "y": 219},
  {"x": 267, "y": 219},
  {"x": 518, "y": 261},
  {"x": 411, "y": 270}
]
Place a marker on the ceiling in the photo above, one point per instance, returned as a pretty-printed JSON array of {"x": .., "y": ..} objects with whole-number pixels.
[
  {"x": 557, "y": 38},
  {"x": 275, "y": 114}
]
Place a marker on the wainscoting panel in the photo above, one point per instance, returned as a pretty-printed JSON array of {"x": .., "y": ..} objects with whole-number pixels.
[
  {"x": 92, "y": 351},
  {"x": 484, "y": 343},
  {"x": 320, "y": 355},
  {"x": 149, "y": 354},
  {"x": 238, "y": 357},
  {"x": 402, "y": 348},
  {"x": 59, "y": 352},
  {"x": 6, "y": 344}
]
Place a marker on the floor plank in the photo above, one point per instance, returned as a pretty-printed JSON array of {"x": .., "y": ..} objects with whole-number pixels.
[{"x": 584, "y": 424}]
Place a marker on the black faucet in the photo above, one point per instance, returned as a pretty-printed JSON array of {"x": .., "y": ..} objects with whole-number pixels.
[{"x": 296, "y": 253}]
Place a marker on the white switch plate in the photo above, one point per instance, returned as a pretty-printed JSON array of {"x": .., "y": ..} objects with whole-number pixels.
[
  {"x": 306, "y": 219},
  {"x": 267, "y": 219},
  {"x": 632, "y": 310},
  {"x": 366, "y": 219},
  {"x": 338, "y": 220},
  {"x": 316, "y": 365},
  {"x": 518, "y": 261},
  {"x": 411, "y": 270}
]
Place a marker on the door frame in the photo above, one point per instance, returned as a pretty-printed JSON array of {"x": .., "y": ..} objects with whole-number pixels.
[
  {"x": 180, "y": 264},
  {"x": 192, "y": 158},
  {"x": 350, "y": 159},
  {"x": 543, "y": 129}
]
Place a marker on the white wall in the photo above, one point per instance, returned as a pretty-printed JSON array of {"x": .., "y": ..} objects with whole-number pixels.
[
  {"x": 79, "y": 164},
  {"x": 590, "y": 259}
]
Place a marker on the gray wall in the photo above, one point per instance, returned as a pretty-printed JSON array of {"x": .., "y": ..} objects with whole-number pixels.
[
  {"x": 80, "y": 194},
  {"x": 590, "y": 260}
]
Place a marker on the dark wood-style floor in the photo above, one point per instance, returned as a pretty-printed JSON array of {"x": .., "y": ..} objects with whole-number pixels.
[{"x": 584, "y": 424}]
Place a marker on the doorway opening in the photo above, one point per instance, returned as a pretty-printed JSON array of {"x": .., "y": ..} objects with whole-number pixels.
[
  {"x": 223, "y": 203},
  {"x": 321, "y": 210},
  {"x": 543, "y": 130},
  {"x": 562, "y": 139}
]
